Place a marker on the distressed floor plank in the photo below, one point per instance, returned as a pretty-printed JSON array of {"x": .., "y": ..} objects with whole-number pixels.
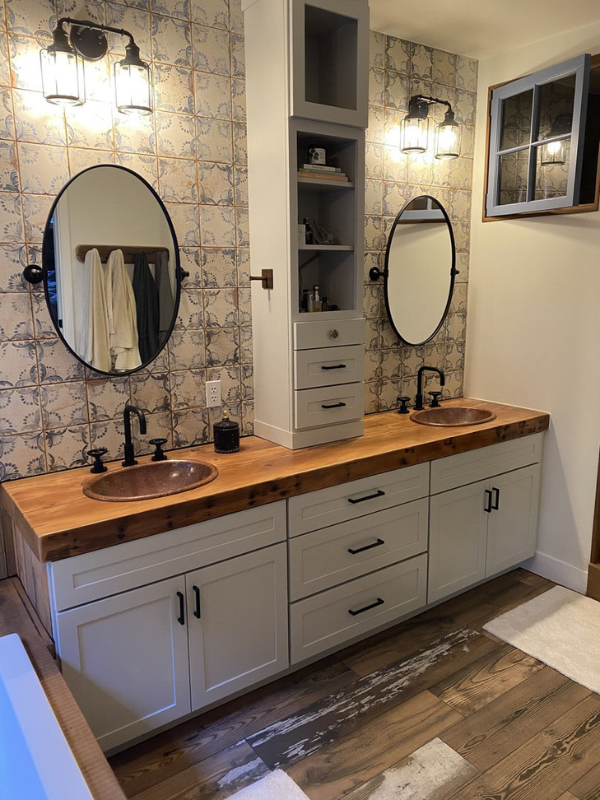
[
  {"x": 588, "y": 786},
  {"x": 335, "y": 771},
  {"x": 508, "y": 722}
]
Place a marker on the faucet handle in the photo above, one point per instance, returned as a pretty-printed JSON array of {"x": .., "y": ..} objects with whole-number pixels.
[
  {"x": 97, "y": 454},
  {"x": 403, "y": 400},
  {"x": 158, "y": 452},
  {"x": 435, "y": 402}
]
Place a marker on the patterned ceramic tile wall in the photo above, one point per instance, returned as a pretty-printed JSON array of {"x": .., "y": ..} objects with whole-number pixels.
[
  {"x": 193, "y": 151},
  {"x": 398, "y": 70}
]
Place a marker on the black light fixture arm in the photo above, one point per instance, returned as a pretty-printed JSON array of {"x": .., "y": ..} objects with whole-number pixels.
[
  {"x": 418, "y": 99},
  {"x": 97, "y": 26}
]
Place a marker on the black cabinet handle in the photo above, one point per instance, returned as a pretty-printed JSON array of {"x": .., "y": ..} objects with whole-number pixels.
[
  {"x": 488, "y": 501},
  {"x": 339, "y": 366},
  {"x": 354, "y": 501},
  {"x": 181, "y": 617},
  {"x": 368, "y": 547},
  {"x": 335, "y": 405},
  {"x": 378, "y": 602},
  {"x": 496, "y": 500},
  {"x": 196, "y": 591}
]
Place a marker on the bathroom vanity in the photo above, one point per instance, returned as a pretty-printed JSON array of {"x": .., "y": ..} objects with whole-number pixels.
[{"x": 162, "y": 608}]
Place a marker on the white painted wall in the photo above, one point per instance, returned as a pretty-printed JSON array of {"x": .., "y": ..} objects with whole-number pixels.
[{"x": 533, "y": 335}]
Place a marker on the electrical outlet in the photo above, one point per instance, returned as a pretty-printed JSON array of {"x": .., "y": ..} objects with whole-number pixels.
[{"x": 213, "y": 394}]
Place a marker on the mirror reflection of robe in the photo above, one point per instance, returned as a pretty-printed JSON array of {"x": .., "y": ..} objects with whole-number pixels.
[
  {"x": 94, "y": 338},
  {"x": 165, "y": 294},
  {"x": 146, "y": 302},
  {"x": 122, "y": 314}
]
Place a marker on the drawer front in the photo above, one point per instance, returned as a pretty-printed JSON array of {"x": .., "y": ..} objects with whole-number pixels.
[
  {"x": 308, "y": 512},
  {"x": 328, "y": 366},
  {"x": 334, "y": 617},
  {"x": 329, "y": 405},
  {"x": 326, "y": 558},
  {"x": 328, "y": 333},
  {"x": 476, "y": 465},
  {"x": 92, "y": 576}
]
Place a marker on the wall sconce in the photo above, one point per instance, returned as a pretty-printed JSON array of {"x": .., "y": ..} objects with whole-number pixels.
[
  {"x": 554, "y": 153},
  {"x": 63, "y": 77},
  {"x": 415, "y": 129}
]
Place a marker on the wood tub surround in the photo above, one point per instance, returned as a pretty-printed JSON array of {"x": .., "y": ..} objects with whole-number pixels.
[{"x": 57, "y": 521}]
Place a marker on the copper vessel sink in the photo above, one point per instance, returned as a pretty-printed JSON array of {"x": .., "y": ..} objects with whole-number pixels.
[
  {"x": 146, "y": 481},
  {"x": 452, "y": 417}
]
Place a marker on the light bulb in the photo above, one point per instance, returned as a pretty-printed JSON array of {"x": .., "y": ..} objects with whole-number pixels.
[
  {"x": 553, "y": 153},
  {"x": 447, "y": 137},
  {"x": 133, "y": 87},
  {"x": 62, "y": 74},
  {"x": 414, "y": 136}
]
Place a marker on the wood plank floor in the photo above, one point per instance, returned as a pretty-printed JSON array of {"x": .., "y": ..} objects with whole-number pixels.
[{"x": 433, "y": 709}]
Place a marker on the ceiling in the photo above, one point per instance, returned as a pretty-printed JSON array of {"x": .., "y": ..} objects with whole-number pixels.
[{"x": 479, "y": 28}]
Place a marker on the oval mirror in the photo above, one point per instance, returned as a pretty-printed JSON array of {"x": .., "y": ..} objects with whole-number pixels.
[
  {"x": 419, "y": 270},
  {"x": 111, "y": 270}
]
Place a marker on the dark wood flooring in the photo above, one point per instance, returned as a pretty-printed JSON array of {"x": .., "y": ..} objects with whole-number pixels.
[{"x": 502, "y": 724}]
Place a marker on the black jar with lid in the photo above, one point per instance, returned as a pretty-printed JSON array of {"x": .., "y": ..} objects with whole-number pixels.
[{"x": 226, "y": 434}]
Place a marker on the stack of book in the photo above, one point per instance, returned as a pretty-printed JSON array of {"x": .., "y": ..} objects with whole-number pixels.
[{"x": 322, "y": 173}]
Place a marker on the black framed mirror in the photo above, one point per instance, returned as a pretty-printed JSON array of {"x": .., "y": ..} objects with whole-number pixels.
[
  {"x": 111, "y": 270},
  {"x": 420, "y": 268}
]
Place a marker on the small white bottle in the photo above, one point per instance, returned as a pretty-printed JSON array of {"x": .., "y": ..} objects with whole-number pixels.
[{"x": 315, "y": 300}]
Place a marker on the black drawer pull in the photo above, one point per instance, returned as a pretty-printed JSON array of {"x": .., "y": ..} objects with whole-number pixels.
[
  {"x": 378, "y": 493},
  {"x": 496, "y": 501},
  {"x": 488, "y": 501},
  {"x": 339, "y": 366},
  {"x": 196, "y": 591},
  {"x": 367, "y": 547},
  {"x": 335, "y": 405},
  {"x": 378, "y": 602},
  {"x": 181, "y": 617}
]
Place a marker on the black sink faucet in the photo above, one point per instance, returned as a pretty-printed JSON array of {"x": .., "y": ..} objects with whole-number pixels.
[
  {"x": 129, "y": 453},
  {"x": 419, "y": 397}
]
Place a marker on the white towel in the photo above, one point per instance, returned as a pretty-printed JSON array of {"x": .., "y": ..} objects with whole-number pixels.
[
  {"x": 94, "y": 342},
  {"x": 122, "y": 316}
]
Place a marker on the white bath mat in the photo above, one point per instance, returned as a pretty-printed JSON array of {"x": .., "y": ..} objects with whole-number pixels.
[
  {"x": 275, "y": 786},
  {"x": 560, "y": 628}
]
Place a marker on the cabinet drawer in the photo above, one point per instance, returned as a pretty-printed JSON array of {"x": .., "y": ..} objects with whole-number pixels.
[
  {"x": 328, "y": 366},
  {"x": 328, "y": 333},
  {"x": 325, "y": 558},
  {"x": 329, "y": 405},
  {"x": 331, "y": 618},
  {"x": 116, "y": 569},
  {"x": 448, "y": 473},
  {"x": 308, "y": 512}
]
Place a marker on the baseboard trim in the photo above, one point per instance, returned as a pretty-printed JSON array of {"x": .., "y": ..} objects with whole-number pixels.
[{"x": 558, "y": 571}]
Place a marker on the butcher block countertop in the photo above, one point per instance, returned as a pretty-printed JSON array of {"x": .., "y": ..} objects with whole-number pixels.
[{"x": 58, "y": 521}]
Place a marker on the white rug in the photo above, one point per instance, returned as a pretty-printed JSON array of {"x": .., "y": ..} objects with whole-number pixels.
[
  {"x": 275, "y": 786},
  {"x": 560, "y": 628}
]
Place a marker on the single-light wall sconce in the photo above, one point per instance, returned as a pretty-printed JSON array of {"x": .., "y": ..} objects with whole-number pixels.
[
  {"x": 63, "y": 77},
  {"x": 414, "y": 136},
  {"x": 555, "y": 152}
]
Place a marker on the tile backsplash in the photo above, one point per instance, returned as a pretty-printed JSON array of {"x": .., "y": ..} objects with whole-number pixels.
[{"x": 192, "y": 149}]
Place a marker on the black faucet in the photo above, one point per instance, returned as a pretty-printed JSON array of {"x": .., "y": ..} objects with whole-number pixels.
[
  {"x": 419, "y": 397},
  {"x": 129, "y": 453}
]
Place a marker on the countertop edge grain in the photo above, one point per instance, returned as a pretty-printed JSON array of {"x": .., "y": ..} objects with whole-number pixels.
[{"x": 176, "y": 511}]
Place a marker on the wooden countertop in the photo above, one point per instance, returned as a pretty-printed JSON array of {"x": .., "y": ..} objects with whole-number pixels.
[
  {"x": 59, "y": 521},
  {"x": 17, "y": 616}
]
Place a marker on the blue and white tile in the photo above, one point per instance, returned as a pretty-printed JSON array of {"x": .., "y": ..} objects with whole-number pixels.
[
  {"x": 16, "y": 319},
  {"x": 398, "y": 53},
  {"x": 187, "y": 350},
  {"x": 188, "y": 388},
  {"x": 36, "y": 120},
  {"x": 240, "y": 143},
  {"x": 36, "y": 209},
  {"x": 214, "y": 140},
  {"x": 236, "y": 16},
  {"x": 222, "y": 346},
  {"x": 171, "y": 40},
  {"x": 133, "y": 133},
  {"x": 238, "y": 56},
  {"x": 212, "y": 12},
  {"x": 22, "y": 456},
  {"x": 151, "y": 391},
  {"x": 44, "y": 169},
  {"x": 159, "y": 427},
  {"x": 191, "y": 310},
  {"x": 219, "y": 267},
  {"x": 80, "y": 159},
  {"x": 177, "y": 180},
  {"x": 56, "y": 363},
  {"x": 64, "y": 404},
  {"x": 66, "y": 448},
  {"x": 243, "y": 339},
  {"x": 9, "y": 167},
  {"x": 173, "y": 88},
  {"x": 20, "y": 410},
  {"x": 211, "y": 50},
  {"x": 176, "y": 135},
  {"x": 13, "y": 258},
  {"x": 213, "y": 95},
  {"x": 221, "y": 309},
  {"x": 107, "y": 397},
  {"x": 186, "y": 222},
  {"x": 173, "y": 8},
  {"x": 190, "y": 427},
  {"x": 5, "y": 77},
  {"x": 215, "y": 182},
  {"x": 7, "y": 119},
  {"x": 18, "y": 364},
  {"x": 217, "y": 226},
  {"x": 90, "y": 126},
  {"x": 31, "y": 17},
  {"x": 135, "y": 20},
  {"x": 144, "y": 165},
  {"x": 109, "y": 434},
  {"x": 377, "y": 43},
  {"x": 191, "y": 261},
  {"x": 238, "y": 99},
  {"x": 11, "y": 218}
]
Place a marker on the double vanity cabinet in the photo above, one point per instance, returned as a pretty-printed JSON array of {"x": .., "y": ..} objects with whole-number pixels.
[{"x": 154, "y": 629}]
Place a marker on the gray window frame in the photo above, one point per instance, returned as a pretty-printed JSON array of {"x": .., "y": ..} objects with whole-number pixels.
[{"x": 580, "y": 67}]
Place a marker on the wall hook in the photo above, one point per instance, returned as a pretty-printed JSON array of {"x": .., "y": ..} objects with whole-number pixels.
[
  {"x": 266, "y": 278},
  {"x": 33, "y": 274}
]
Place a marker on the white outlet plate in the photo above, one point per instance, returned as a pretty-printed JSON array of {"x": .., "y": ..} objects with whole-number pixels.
[{"x": 213, "y": 394}]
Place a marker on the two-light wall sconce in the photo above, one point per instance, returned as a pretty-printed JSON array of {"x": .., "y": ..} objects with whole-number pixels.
[
  {"x": 63, "y": 75},
  {"x": 414, "y": 135}
]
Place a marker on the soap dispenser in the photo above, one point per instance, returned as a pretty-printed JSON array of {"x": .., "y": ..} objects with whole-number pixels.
[{"x": 226, "y": 435}]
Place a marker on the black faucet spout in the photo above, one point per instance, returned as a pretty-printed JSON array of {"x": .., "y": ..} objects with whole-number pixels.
[
  {"x": 419, "y": 396},
  {"x": 128, "y": 449}
]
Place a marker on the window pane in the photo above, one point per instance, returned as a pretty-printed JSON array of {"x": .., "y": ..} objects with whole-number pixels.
[
  {"x": 552, "y": 169},
  {"x": 556, "y": 107},
  {"x": 516, "y": 120},
  {"x": 512, "y": 177}
]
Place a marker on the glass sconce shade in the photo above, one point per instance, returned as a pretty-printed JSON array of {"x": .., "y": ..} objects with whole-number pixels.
[
  {"x": 63, "y": 78},
  {"x": 555, "y": 153},
  {"x": 415, "y": 134},
  {"x": 133, "y": 87},
  {"x": 447, "y": 137}
]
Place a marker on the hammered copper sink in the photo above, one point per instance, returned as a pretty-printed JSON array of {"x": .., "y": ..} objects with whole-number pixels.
[
  {"x": 452, "y": 417},
  {"x": 147, "y": 481}
]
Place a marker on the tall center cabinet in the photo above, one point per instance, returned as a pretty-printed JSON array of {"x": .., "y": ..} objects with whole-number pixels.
[{"x": 307, "y": 86}]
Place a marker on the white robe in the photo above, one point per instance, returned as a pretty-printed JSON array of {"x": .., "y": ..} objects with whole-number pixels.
[
  {"x": 94, "y": 338},
  {"x": 122, "y": 315}
]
